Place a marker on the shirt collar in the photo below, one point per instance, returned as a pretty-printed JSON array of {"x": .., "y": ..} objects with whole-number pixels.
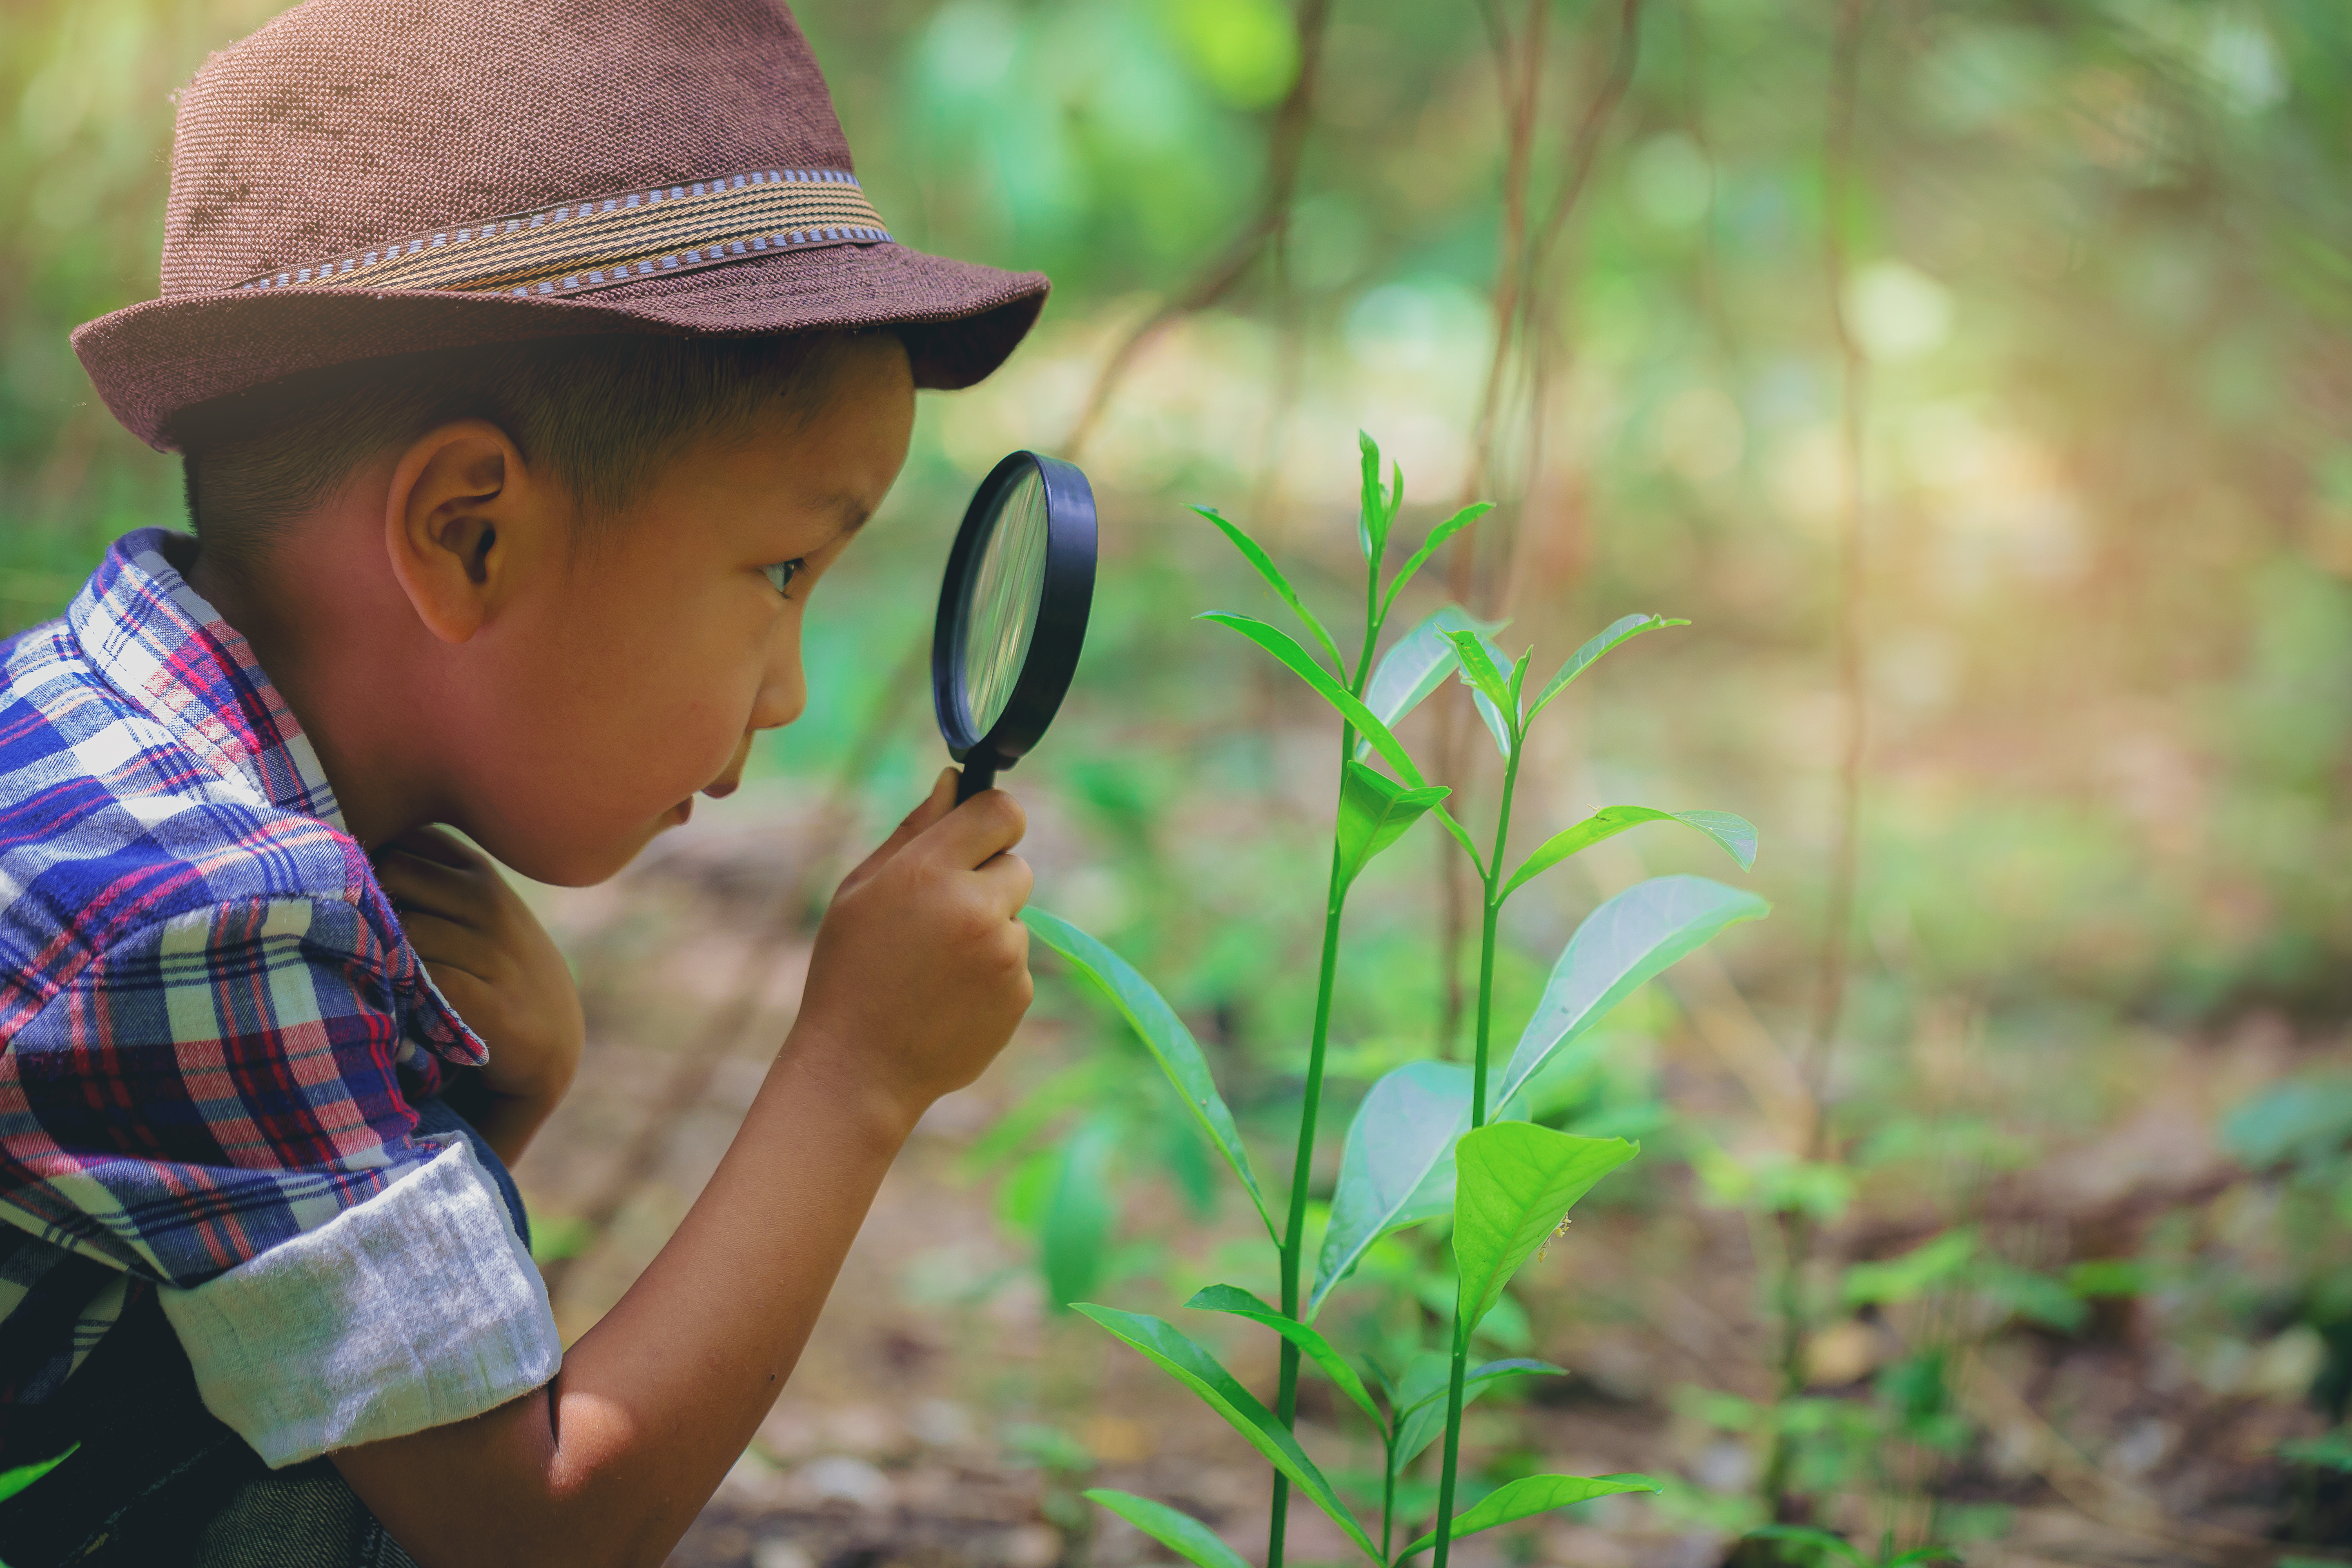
[{"x": 158, "y": 642}]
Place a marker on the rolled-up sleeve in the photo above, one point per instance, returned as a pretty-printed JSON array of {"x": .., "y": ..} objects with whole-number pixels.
[{"x": 215, "y": 1105}]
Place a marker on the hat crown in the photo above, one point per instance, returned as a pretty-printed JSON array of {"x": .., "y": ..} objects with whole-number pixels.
[{"x": 344, "y": 123}]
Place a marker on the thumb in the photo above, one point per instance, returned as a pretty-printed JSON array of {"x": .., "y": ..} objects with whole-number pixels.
[{"x": 936, "y": 806}]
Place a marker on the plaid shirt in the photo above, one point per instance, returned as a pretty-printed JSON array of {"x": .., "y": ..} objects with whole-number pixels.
[{"x": 210, "y": 1030}]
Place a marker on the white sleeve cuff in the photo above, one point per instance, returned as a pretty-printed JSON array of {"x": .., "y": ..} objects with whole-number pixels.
[{"x": 415, "y": 1308}]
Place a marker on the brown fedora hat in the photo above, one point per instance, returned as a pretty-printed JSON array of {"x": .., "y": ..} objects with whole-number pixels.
[{"x": 362, "y": 178}]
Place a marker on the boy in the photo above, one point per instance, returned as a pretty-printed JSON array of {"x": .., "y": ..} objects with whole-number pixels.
[{"x": 533, "y": 361}]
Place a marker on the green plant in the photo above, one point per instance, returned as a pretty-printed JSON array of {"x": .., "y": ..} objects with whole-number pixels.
[
  {"x": 12, "y": 1481},
  {"x": 1428, "y": 1139},
  {"x": 1823, "y": 1543}
]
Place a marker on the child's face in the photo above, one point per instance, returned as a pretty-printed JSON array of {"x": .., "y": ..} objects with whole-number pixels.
[{"x": 636, "y": 675}]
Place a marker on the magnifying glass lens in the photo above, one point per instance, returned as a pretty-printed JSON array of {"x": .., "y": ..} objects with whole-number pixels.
[
  {"x": 1001, "y": 606},
  {"x": 1012, "y": 614}
]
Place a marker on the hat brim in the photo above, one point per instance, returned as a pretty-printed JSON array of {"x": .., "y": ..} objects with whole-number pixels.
[{"x": 154, "y": 361}]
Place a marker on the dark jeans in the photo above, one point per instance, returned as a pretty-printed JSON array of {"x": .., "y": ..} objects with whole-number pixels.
[{"x": 159, "y": 1481}]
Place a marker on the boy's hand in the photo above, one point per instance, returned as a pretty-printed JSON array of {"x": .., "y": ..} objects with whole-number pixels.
[
  {"x": 497, "y": 965},
  {"x": 922, "y": 967}
]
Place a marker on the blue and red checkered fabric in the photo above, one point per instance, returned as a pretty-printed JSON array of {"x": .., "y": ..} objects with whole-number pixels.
[{"x": 211, "y": 1025}]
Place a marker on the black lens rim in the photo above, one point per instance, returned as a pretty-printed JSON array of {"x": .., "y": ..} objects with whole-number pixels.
[{"x": 1063, "y": 606}]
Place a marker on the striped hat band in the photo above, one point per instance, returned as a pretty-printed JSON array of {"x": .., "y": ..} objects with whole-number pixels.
[{"x": 604, "y": 240}]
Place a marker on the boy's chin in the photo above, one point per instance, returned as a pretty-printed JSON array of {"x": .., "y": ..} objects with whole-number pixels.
[{"x": 585, "y": 865}]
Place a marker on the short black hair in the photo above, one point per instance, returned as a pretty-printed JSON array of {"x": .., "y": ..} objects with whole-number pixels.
[{"x": 601, "y": 413}]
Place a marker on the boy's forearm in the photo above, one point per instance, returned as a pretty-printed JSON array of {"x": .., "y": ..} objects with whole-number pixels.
[{"x": 610, "y": 1462}]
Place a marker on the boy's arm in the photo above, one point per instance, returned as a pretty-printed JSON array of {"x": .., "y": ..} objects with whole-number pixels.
[{"x": 921, "y": 973}]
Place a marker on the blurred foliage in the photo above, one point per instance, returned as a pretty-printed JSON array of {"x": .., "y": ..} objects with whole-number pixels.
[{"x": 2104, "y": 277}]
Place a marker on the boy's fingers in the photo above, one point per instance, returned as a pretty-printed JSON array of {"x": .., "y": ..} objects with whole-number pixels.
[
  {"x": 446, "y": 944},
  {"x": 1010, "y": 878},
  {"x": 937, "y": 803},
  {"x": 983, "y": 827},
  {"x": 441, "y": 846},
  {"x": 429, "y": 886}
]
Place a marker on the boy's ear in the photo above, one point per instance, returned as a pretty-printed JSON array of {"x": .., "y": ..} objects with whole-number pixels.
[{"x": 460, "y": 503}]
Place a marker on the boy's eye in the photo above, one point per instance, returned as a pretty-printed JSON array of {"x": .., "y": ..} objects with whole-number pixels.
[{"x": 782, "y": 572}]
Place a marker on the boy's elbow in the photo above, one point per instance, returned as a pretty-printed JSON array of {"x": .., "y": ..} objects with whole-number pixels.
[{"x": 503, "y": 1490}]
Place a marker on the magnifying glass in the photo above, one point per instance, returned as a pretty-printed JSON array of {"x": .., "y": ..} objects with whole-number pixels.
[{"x": 1013, "y": 613}]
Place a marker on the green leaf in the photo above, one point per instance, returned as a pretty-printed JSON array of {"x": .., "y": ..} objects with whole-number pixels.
[
  {"x": 1944, "y": 1554},
  {"x": 1376, "y": 511},
  {"x": 1424, "y": 1417},
  {"x": 1163, "y": 1034},
  {"x": 1422, "y": 1391},
  {"x": 1622, "y": 944},
  {"x": 1462, "y": 837},
  {"x": 1514, "y": 1182},
  {"x": 1735, "y": 834},
  {"x": 1811, "y": 1535},
  {"x": 2031, "y": 1294},
  {"x": 1514, "y": 1367},
  {"x": 2303, "y": 1119},
  {"x": 1519, "y": 676},
  {"x": 1257, "y": 557},
  {"x": 15, "y": 1480},
  {"x": 1199, "y": 1371},
  {"x": 2097, "y": 1277},
  {"x": 1480, "y": 664},
  {"x": 1374, "y": 813},
  {"x": 1367, "y": 724},
  {"x": 1009, "y": 1135},
  {"x": 1620, "y": 630},
  {"x": 1479, "y": 668},
  {"x": 1180, "y": 1533},
  {"x": 1532, "y": 1495},
  {"x": 1242, "y": 1304},
  {"x": 1737, "y": 838},
  {"x": 1430, "y": 546},
  {"x": 1079, "y": 1215},
  {"x": 1396, "y": 1168},
  {"x": 2330, "y": 1451},
  {"x": 1417, "y": 665},
  {"x": 1902, "y": 1277}
]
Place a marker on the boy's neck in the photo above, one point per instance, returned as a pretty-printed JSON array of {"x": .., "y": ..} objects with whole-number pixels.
[{"x": 312, "y": 614}]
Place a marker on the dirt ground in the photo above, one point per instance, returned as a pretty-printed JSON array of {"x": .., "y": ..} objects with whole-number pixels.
[{"x": 943, "y": 1417}]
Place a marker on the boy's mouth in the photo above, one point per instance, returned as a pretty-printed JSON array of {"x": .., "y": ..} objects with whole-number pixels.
[{"x": 679, "y": 814}]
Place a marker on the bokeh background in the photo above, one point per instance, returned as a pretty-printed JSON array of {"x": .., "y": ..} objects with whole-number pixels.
[{"x": 2068, "y": 1278}]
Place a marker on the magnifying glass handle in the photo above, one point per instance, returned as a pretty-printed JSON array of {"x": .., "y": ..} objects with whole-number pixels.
[{"x": 975, "y": 777}]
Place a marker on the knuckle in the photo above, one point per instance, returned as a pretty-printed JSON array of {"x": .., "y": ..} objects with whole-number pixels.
[
  {"x": 1008, "y": 813},
  {"x": 970, "y": 916}
]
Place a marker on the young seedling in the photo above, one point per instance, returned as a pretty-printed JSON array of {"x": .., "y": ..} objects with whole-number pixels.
[
  {"x": 1696, "y": 911},
  {"x": 1422, "y": 1144}
]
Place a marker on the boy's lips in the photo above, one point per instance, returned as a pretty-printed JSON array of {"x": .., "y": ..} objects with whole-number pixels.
[{"x": 683, "y": 810}]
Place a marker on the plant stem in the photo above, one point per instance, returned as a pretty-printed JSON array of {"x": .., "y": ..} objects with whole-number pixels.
[
  {"x": 1388, "y": 1485},
  {"x": 1493, "y": 904},
  {"x": 1452, "y": 1438},
  {"x": 1302, "y": 1167}
]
